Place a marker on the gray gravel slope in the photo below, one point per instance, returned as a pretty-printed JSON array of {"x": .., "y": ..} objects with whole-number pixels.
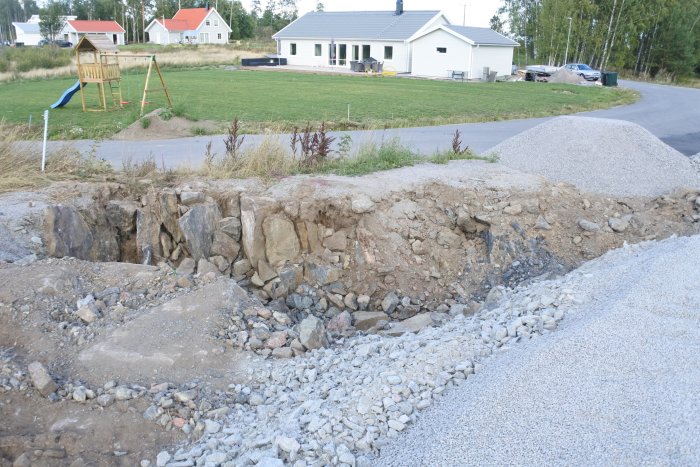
[
  {"x": 604, "y": 156},
  {"x": 617, "y": 384}
]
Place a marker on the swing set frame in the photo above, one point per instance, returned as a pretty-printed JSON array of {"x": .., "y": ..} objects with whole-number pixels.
[{"x": 104, "y": 71}]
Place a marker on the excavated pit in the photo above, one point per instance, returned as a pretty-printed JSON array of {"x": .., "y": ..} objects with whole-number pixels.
[{"x": 175, "y": 294}]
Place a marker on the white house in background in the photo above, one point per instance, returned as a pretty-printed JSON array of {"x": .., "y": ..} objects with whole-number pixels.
[
  {"x": 190, "y": 26},
  {"x": 77, "y": 28},
  {"x": 422, "y": 43},
  {"x": 448, "y": 48},
  {"x": 29, "y": 34},
  {"x": 335, "y": 39}
]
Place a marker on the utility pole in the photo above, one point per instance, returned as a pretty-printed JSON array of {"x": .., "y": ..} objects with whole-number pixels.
[
  {"x": 464, "y": 17},
  {"x": 566, "y": 55}
]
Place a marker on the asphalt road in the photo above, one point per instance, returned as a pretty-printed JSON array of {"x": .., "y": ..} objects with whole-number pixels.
[{"x": 671, "y": 113}]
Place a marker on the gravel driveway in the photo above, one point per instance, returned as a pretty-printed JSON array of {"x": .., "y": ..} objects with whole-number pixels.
[{"x": 617, "y": 384}]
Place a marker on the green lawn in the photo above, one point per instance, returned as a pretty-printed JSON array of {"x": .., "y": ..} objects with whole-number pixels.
[{"x": 280, "y": 100}]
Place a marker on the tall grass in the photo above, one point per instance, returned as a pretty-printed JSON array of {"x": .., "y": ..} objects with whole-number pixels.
[
  {"x": 20, "y": 165},
  {"x": 23, "y": 59}
]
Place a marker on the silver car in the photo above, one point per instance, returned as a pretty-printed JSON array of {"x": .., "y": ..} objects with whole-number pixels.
[{"x": 584, "y": 71}]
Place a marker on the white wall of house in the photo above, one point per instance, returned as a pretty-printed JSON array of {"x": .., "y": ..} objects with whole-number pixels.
[
  {"x": 498, "y": 59},
  {"x": 306, "y": 52},
  {"x": 213, "y": 30},
  {"x": 26, "y": 38},
  {"x": 438, "y": 53},
  {"x": 157, "y": 34}
]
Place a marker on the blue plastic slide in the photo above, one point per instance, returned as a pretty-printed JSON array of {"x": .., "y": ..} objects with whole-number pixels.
[{"x": 68, "y": 93}]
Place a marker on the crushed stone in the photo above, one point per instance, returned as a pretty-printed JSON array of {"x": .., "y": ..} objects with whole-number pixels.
[{"x": 609, "y": 157}]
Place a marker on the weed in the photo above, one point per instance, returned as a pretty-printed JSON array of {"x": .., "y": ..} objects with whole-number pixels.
[
  {"x": 166, "y": 114},
  {"x": 457, "y": 143},
  {"x": 345, "y": 145},
  {"x": 145, "y": 122},
  {"x": 315, "y": 146},
  {"x": 199, "y": 131}
]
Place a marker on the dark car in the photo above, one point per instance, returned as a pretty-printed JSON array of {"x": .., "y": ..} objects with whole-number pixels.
[
  {"x": 57, "y": 43},
  {"x": 584, "y": 71}
]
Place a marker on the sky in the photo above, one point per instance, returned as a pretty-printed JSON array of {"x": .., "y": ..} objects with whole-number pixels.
[{"x": 479, "y": 12}]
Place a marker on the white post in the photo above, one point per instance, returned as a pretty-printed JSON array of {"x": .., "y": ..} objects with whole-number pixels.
[
  {"x": 46, "y": 134},
  {"x": 348, "y": 113}
]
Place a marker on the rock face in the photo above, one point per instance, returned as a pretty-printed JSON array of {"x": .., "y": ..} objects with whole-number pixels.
[
  {"x": 312, "y": 333},
  {"x": 253, "y": 212},
  {"x": 148, "y": 246},
  {"x": 67, "y": 233},
  {"x": 225, "y": 246},
  {"x": 198, "y": 226},
  {"x": 41, "y": 378},
  {"x": 281, "y": 241}
]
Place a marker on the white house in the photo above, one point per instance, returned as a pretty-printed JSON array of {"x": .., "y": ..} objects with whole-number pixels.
[
  {"x": 447, "y": 48},
  {"x": 76, "y": 28},
  {"x": 28, "y": 33},
  {"x": 335, "y": 38},
  {"x": 422, "y": 43},
  {"x": 190, "y": 26}
]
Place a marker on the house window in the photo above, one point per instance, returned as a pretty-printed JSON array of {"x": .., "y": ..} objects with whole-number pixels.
[
  {"x": 317, "y": 50},
  {"x": 355, "y": 52},
  {"x": 216, "y": 22},
  {"x": 218, "y": 36},
  {"x": 388, "y": 52},
  {"x": 292, "y": 49},
  {"x": 442, "y": 50},
  {"x": 207, "y": 22},
  {"x": 366, "y": 51}
]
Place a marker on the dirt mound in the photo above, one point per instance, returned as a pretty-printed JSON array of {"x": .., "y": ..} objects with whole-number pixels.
[
  {"x": 154, "y": 126},
  {"x": 603, "y": 156},
  {"x": 565, "y": 76}
]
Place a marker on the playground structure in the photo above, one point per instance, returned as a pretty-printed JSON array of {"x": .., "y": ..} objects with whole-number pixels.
[{"x": 97, "y": 59}]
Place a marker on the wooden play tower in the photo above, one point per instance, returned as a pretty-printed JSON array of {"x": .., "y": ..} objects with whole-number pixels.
[{"x": 97, "y": 59}]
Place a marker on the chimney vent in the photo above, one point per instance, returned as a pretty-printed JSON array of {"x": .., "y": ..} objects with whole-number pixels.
[{"x": 399, "y": 7}]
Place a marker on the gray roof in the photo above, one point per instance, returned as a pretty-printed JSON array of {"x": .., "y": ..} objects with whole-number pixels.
[
  {"x": 28, "y": 28},
  {"x": 367, "y": 25},
  {"x": 482, "y": 36}
]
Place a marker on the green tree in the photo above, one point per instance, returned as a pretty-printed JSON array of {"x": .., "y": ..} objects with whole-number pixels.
[
  {"x": 52, "y": 20},
  {"x": 320, "y": 6}
]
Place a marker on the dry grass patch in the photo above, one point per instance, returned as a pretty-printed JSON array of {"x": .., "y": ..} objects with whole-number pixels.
[{"x": 20, "y": 167}]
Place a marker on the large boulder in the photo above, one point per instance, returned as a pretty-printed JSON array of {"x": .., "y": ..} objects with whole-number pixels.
[
  {"x": 169, "y": 214},
  {"x": 312, "y": 333},
  {"x": 198, "y": 226},
  {"x": 281, "y": 241},
  {"x": 225, "y": 246},
  {"x": 148, "y": 246},
  {"x": 231, "y": 226},
  {"x": 253, "y": 212},
  {"x": 365, "y": 320}
]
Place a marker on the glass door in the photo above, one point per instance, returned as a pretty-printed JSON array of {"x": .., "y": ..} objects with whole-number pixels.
[
  {"x": 332, "y": 54},
  {"x": 342, "y": 54},
  {"x": 356, "y": 52}
]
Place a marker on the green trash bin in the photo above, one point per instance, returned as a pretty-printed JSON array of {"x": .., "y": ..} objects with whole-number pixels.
[{"x": 609, "y": 78}]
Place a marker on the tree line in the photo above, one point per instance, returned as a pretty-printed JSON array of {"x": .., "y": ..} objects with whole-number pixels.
[
  {"x": 261, "y": 21},
  {"x": 646, "y": 37}
]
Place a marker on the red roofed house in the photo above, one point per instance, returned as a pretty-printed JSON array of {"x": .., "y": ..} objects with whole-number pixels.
[
  {"x": 77, "y": 28},
  {"x": 189, "y": 26}
]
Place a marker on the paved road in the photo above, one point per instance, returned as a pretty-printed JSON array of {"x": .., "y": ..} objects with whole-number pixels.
[{"x": 670, "y": 113}]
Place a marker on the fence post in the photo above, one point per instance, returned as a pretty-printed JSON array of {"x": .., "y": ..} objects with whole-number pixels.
[{"x": 46, "y": 133}]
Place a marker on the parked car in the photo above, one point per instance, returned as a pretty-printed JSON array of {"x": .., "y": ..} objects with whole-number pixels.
[
  {"x": 584, "y": 71},
  {"x": 57, "y": 43}
]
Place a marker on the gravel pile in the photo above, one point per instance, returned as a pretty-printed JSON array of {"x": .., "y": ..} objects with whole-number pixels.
[
  {"x": 604, "y": 156},
  {"x": 566, "y": 76},
  {"x": 616, "y": 385},
  {"x": 340, "y": 405}
]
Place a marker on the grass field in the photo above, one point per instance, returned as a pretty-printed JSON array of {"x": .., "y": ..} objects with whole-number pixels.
[{"x": 280, "y": 100}]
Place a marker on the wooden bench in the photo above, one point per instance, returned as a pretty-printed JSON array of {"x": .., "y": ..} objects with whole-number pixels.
[{"x": 456, "y": 74}]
